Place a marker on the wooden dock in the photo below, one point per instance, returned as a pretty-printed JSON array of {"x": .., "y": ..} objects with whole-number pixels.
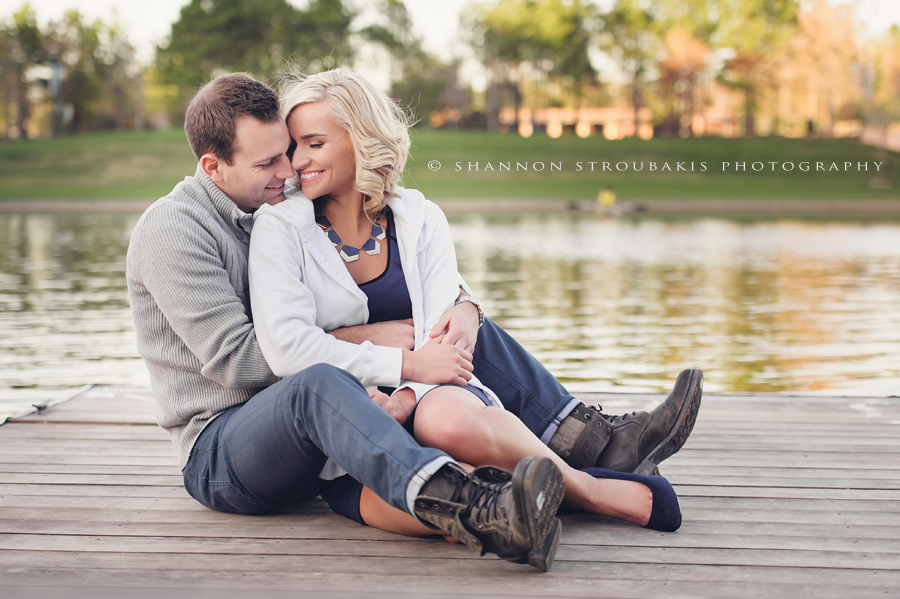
[{"x": 782, "y": 496}]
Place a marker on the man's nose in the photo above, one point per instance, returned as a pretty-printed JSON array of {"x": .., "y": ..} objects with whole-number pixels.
[{"x": 285, "y": 169}]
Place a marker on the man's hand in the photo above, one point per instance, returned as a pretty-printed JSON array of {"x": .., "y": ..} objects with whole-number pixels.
[
  {"x": 436, "y": 363},
  {"x": 458, "y": 326},
  {"x": 391, "y": 333},
  {"x": 399, "y": 405}
]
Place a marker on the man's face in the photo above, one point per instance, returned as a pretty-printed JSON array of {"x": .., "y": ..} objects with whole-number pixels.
[{"x": 259, "y": 164}]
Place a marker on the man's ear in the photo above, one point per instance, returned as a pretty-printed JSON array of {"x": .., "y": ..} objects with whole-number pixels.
[{"x": 212, "y": 166}]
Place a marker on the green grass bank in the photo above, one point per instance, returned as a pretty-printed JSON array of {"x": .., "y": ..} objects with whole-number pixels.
[{"x": 147, "y": 164}]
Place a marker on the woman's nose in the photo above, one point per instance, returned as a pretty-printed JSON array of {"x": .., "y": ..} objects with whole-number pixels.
[{"x": 299, "y": 161}]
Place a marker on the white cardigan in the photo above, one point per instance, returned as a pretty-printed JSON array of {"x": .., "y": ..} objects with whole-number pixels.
[{"x": 300, "y": 288}]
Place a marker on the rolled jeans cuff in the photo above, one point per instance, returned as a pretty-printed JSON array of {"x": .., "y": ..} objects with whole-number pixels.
[
  {"x": 418, "y": 481},
  {"x": 554, "y": 425}
]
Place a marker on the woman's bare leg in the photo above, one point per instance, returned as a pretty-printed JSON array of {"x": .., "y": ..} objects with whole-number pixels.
[
  {"x": 455, "y": 421},
  {"x": 376, "y": 512}
]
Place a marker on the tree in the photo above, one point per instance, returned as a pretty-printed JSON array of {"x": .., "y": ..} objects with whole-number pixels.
[
  {"x": 882, "y": 93},
  {"x": 98, "y": 83},
  {"x": 685, "y": 61},
  {"x": 752, "y": 31},
  {"x": 536, "y": 39},
  {"x": 819, "y": 64},
  {"x": 23, "y": 49},
  {"x": 756, "y": 30},
  {"x": 256, "y": 36},
  {"x": 629, "y": 33},
  {"x": 431, "y": 90},
  {"x": 395, "y": 33}
]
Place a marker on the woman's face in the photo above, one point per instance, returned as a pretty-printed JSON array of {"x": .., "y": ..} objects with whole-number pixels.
[{"x": 324, "y": 155}]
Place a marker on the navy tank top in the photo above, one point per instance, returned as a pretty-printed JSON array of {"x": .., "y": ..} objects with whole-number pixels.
[{"x": 387, "y": 293}]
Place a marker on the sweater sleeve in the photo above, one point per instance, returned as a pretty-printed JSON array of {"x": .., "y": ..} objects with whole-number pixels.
[
  {"x": 285, "y": 313},
  {"x": 183, "y": 267}
]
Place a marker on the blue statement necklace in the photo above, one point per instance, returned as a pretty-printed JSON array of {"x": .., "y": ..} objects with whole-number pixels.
[{"x": 372, "y": 246}]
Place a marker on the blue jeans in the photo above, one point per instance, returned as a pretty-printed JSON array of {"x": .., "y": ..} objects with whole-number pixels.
[
  {"x": 525, "y": 387},
  {"x": 267, "y": 453}
]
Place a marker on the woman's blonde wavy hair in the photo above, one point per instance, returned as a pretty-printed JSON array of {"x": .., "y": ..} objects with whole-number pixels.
[{"x": 377, "y": 127}]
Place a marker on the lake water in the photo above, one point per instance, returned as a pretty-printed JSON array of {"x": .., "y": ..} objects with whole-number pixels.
[{"x": 801, "y": 306}]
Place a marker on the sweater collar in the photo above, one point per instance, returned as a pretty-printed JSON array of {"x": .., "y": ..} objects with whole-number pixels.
[{"x": 224, "y": 205}]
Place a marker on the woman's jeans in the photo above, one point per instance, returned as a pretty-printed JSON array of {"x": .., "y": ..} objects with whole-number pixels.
[
  {"x": 267, "y": 453},
  {"x": 525, "y": 387}
]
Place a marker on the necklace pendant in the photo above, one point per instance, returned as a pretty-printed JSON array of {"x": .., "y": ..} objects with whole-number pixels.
[
  {"x": 349, "y": 254},
  {"x": 333, "y": 238},
  {"x": 372, "y": 246}
]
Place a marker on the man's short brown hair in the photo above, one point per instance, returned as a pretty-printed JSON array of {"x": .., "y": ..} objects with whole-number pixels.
[{"x": 211, "y": 116}]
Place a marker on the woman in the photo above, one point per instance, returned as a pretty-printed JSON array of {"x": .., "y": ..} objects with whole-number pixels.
[{"x": 355, "y": 248}]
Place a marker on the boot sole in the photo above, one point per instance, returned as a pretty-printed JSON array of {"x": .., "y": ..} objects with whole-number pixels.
[
  {"x": 542, "y": 558},
  {"x": 681, "y": 429},
  {"x": 541, "y": 489}
]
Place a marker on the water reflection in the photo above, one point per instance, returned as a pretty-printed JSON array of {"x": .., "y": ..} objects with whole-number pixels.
[
  {"x": 761, "y": 306},
  {"x": 64, "y": 313}
]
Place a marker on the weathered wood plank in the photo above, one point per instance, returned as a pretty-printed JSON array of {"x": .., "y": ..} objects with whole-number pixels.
[
  {"x": 89, "y": 460},
  {"x": 501, "y": 579},
  {"x": 105, "y": 491},
  {"x": 111, "y": 432},
  {"x": 87, "y": 469},
  {"x": 316, "y": 519},
  {"x": 440, "y": 549},
  {"x": 89, "y": 447},
  {"x": 582, "y": 532},
  {"x": 92, "y": 479},
  {"x": 489, "y": 567},
  {"x": 743, "y": 460}
]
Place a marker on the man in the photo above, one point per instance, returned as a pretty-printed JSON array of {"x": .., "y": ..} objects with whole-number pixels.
[{"x": 249, "y": 443}]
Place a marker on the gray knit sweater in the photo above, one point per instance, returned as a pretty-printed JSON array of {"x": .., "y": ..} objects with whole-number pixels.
[{"x": 188, "y": 284}]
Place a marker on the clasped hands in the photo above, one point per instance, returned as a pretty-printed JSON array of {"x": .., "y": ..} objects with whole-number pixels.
[{"x": 446, "y": 358}]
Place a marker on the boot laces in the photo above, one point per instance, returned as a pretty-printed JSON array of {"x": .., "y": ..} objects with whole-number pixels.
[
  {"x": 617, "y": 419},
  {"x": 460, "y": 480},
  {"x": 484, "y": 500}
]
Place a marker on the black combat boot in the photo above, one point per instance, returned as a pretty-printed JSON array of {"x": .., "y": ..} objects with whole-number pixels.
[
  {"x": 635, "y": 442},
  {"x": 493, "y": 511}
]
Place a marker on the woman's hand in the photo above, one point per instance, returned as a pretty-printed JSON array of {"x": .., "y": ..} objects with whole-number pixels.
[
  {"x": 399, "y": 405},
  {"x": 437, "y": 363},
  {"x": 458, "y": 326}
]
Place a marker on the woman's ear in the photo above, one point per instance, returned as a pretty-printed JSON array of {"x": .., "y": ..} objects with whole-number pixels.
[{"x": 212, "y": 166}]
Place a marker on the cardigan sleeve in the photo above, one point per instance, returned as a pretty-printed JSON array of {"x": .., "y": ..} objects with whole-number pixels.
[
  {"x": 284, "y": 312},
  {"x": 439, "y": 278},
  {"x": 438, "y": 271}
]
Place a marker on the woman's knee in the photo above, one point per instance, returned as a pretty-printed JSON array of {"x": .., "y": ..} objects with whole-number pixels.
[{"x": 446, "y": 418}]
